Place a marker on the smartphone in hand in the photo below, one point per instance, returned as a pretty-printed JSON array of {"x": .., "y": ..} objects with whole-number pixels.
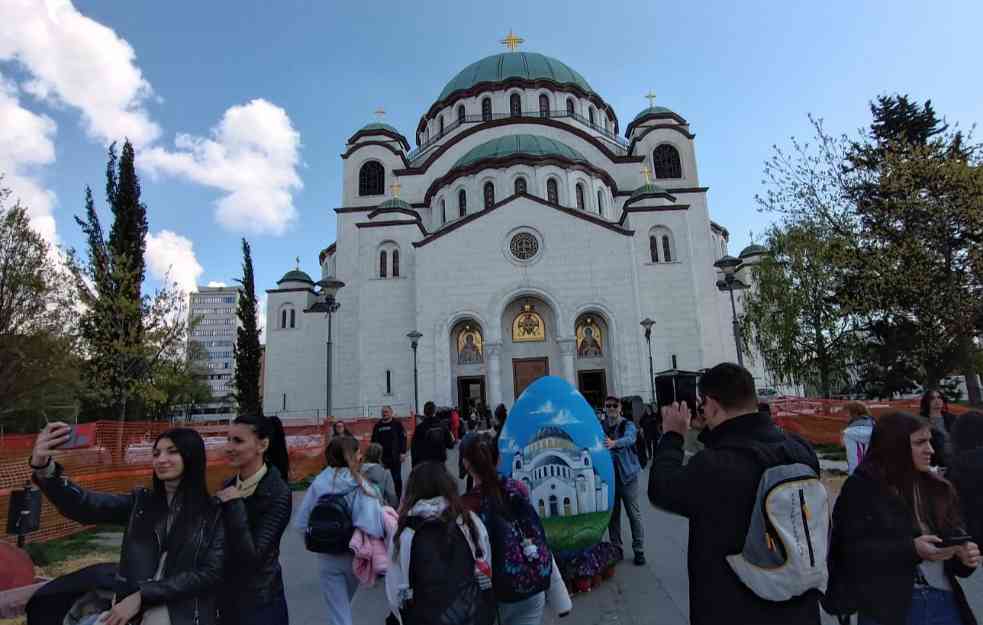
[
  {"x": 76, "y": 439},
  {"x": 954, "y": 541}
]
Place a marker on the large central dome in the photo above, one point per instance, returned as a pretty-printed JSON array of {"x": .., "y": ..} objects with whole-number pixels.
[
  {"x": 526, "y": 65},
  {"x": 509, "y": 145}
]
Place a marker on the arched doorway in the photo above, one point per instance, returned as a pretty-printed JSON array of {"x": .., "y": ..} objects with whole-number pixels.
[
  {"x": 467, "y": 347},
  {"x": 529, "y": 348},
  {"x": 593, "y": 357}
]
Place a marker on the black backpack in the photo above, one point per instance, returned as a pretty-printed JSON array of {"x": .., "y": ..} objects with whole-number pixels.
[
  {"x": 330, "y": 526},
  {"x": 641, "y": 445}
]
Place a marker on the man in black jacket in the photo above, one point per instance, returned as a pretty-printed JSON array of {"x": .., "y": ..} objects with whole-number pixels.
[
  {"x": 716, "y": 491},
  {"x": 389, "y": 433},
  {"x": 431, "y": 439}
]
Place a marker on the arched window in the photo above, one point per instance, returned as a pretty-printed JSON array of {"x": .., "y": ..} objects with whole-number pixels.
[
  {"x": 486, "y": 112},
  {"x": 489, "y": 195},
  {"x": 666, "y": 249},
  {"x": 395, "y": 263},
  {"x": 661, "y": 244},
  {"x": 552, "y": 194},
  {"x": 293, "y": 318},
  {"x": 443, "y": 211},
  {"x": 580, "y": 196},
  {"x": 460, "y": 114},
  {"x": 666, "y": 161},
  {"x": 283, "y": 318},
  {"x": 441, "y": 121},
  {"x": 600, "y": 203},
  {"x": 462, "y": 203},
  {"x": 590, "y": 115},
  {"x": 654, "y": 248},
  {"x": 371, "y": 179},
  {"x": 544, "y": 105},
  {"x": 382, "y": 264},
  {"x": 520, "y": 185},
  {"x": 515, "y": 105},
  {"x": 570, "y": 107}
]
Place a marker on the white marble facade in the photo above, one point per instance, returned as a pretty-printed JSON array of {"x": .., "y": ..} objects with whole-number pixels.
[{"x": 561, "y": 217}]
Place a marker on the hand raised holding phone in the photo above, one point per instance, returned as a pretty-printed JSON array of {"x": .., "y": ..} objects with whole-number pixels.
[{"x": 53, "y": 436}]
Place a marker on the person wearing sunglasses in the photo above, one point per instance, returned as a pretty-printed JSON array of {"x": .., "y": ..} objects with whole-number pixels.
[{"x": 620, "y": 436}]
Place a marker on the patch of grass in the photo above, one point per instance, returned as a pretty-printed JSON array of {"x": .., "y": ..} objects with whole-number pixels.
[
  {"x": 576, "y": 532},
  {"x": 72, "y": 547}
]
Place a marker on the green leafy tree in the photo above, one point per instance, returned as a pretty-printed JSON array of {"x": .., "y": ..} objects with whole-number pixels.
[
  {"x": 38, "y": 367},
  {"x": 248, "y": 353},
  {"x": 792, "y": 318}
]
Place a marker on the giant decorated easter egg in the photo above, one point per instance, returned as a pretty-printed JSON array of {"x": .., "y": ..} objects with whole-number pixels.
[{"x": 553, "y": 442}]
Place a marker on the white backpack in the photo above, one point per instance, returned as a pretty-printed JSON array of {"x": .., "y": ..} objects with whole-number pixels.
[{"x": 787, "y": 542}]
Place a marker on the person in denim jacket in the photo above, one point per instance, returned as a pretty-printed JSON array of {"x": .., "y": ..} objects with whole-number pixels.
[{"x": 620, "y": 435}]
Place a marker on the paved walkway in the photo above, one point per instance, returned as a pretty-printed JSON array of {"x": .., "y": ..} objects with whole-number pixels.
[{"x": 656, "y": 594}]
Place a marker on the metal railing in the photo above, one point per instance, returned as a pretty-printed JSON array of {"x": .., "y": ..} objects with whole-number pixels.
[{"x": 619, "y": 142}]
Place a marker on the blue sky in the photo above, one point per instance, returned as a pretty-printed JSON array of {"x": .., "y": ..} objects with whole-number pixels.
[{"x": 267, "y": 93}]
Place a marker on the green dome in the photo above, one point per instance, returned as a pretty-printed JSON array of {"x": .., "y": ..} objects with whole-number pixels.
[
  {"x": 395, "y": 202},
  {"x": 652, "y": 110},
  {"x": 753, "y": 250},
  {"x": 530, "y": 145},
  {"x": 377, "y": 126},
  {"x": 295, "y": 275},
  {"x": 648, "y": 189},
  {"x": 526, "y": 65}
]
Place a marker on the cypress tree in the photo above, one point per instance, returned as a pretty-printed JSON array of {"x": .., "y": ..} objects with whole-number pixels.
[{"x": 247, "y": 349}]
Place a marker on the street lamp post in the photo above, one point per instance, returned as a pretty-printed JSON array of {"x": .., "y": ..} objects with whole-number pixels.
[
  {"x": 328, "y": 305},
  {"x": 414, "y": 338},
  {"x": 647, "y": 324},
  {"x": 730, "y": 283}
]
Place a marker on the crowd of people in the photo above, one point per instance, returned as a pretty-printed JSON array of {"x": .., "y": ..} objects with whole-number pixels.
[{"x": 764, "y": 546}]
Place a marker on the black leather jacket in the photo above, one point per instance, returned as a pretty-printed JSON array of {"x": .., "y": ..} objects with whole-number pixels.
[
  {"x": 253, "y": 529},
  {"x": 193, "y": 571}
]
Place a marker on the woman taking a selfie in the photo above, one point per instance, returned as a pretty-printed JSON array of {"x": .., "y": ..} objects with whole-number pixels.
[
  {"x": 256, "y": 511},
  {"x": 898, "y": 538},
  {"x": 171, "y": 560}
]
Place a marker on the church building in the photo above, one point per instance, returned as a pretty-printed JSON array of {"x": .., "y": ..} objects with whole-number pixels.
[{"x": 528, "y": 233}]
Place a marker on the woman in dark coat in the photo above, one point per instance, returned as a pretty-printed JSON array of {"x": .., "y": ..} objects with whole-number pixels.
[
  {"x": 888, "y": 524},
  {"x": 935, "y": 409},
  {"x": 256, "y": 511},
  {"x": 966, "y": 470},
  {"x": 171, "y": 561}
]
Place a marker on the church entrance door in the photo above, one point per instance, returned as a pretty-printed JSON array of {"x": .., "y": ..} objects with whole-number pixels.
[
  {"x": 470, "y": 390},
  {"x": 525, "y": 371},
  {"x": 593, "y": 386}
]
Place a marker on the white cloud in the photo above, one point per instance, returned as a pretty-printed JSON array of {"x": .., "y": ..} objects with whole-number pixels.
[
  {"x": 172, "y": 256},
  {"x": 510, "y": 445},
  {"x": 26, "y": 144},
  {"x": 217, "y": 284},
  {"x": 252, "y": 156},
  {"x": 546, "y": 408},
  {"x": 77, "y": 62},
  {"x": 564, "y": 417}
]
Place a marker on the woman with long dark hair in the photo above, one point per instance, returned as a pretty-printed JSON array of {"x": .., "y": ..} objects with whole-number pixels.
[
  {"x": 935, "y": 409},
  {"x": 171, "y": 560},
  {"x": 889, "y": 524},
  {"x": 256, "y": 511},
  {"x": 441, "y": 558},
  {"x": 342, "y": 477},
  {"x": 966, "y": 469}
]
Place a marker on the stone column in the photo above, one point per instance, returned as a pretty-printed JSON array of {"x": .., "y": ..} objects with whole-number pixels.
[
  {"x": 493, "y": 358},
  {"x": 567, "y": 349}
]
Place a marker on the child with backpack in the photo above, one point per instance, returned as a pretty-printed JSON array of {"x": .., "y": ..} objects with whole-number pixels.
[
  {"x": 522, "y": 561},
  {"x": 338, "y": 502},
  {"x": 440, "y": 570}
]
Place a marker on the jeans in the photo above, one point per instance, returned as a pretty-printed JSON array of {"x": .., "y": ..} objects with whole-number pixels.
[
  {"x": 338, "y": 586},
  {"x": 526, "y": 612},
  {"x": 627, "y": 494},
  {"x": 245, "y": 612},
  {"x": 397, "y": 473},
  {"x": 929, "y": 606}
]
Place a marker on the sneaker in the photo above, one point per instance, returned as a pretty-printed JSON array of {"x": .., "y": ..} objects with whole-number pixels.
[{"x": 639, "y": 558}]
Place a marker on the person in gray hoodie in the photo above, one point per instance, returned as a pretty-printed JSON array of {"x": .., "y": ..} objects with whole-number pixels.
[
  {"x": 338, "y": 581},
  {"x": 378, "y": 475}
]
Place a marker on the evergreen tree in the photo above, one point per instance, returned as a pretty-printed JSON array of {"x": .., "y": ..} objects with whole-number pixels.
[{"x": 247, "y": 348}]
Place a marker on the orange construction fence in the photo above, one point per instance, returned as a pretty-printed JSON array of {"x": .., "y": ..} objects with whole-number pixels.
[{"x": 116, "y": 458}]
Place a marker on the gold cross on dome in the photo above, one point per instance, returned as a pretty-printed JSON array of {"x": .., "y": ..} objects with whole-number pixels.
[
  {"x": 395, "y": 187},
  {"x": 380, "y": 113},
  {"x": 647, "y": 174},
  {"x": 651, "y": 98},
  {"x": 511, "y": 41},
  {"x": 298, "y": 262}
]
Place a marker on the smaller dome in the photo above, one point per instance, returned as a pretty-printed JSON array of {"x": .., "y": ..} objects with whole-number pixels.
[
  {"x": 377, "y": 126},
  {"x": 551, "y": 432},
  {"x": 295, "y": 275},
  {"x": 652, "y": 110},
  {"x": 395, "y": 202},
  {"x": 753, "y": 250},
  {"x": 648, "y": 189},
  {"x": 509, "y": 145}
]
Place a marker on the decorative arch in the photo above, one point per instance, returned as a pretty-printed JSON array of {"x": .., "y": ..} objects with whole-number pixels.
[
  {"x": 288, "y": 317},
  {"x": 553, "y": 190},
  {"x": 580, "y": 196},
  {"x": 389, "y": 260},
  {"x": 571, "y": 107},
  {"x": 500, "y": 300},
  {"x": 383, "y": 264},
  {"x": 371, "y": 178},
  {"x": 544, "y": 105},
  {"x": 462, "y": 202},
  {"x": 662, "y": 245},
  {"x": 468, "y": 342},
  {"x": 488, "y": 193},
  {"x": 592, "y": 336},
  {"x": 460, "y": 114},
  {"x": 590, "y": 116},
  {"x": 521, "y": 186},
  {"x": 515, "y": 105},
  {"x": 486, "y": 109},
  {"x": 666, "y": 162}
]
